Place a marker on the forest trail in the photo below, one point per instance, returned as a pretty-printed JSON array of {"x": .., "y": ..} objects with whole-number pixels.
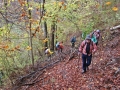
[{"x": 103, "y": 74}]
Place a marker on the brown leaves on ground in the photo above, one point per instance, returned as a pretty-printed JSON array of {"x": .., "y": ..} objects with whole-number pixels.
[{"x": 67, "y": 76}]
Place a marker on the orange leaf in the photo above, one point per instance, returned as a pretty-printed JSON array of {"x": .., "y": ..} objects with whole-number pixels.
[
  {"x": 61, "y": 3},
  {"x": 65, "y": 7},
  {"x": 17, "y": 47},
  {"x": 6, "y": 47},
  {"x": 13, "y": 49}
]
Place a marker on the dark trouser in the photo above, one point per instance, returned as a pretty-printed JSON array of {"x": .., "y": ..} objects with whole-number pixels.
[
  {"x": 96, "y": 43},
  {"x": 73, "y": 44},
  {"x": 86, "y": 60},
  {"x": 61, "y": 49}
]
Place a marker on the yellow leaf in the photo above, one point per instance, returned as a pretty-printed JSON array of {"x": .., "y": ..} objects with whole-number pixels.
[
  {"x": 28, "y": 48},
  {"x": 108, "y": 3},
  {"x": 45, "y": 40},
  {"x": 51, "y": 52},
  {"x": 32, "y": 28},
  {"x": 115, "y": 9},
  {"x": 30, "y": 8},
  {"x": 54, "y": 3}
]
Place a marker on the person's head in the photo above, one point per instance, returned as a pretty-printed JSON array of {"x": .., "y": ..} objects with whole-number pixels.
[
  {"x": 88, "y": 39},
  {"x": 98, "y": 31},
  {"x": 91, "y": 34},
  {"x": 61, "y": 42},
  {"x": 74, "y": 36}
]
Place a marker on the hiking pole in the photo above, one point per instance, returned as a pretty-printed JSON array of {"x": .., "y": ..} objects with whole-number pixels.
[
  {"x": 92, "y": 61},
  {"x": 78, "y": 58}
]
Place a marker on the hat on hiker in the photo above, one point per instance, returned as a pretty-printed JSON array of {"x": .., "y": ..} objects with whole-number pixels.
[
  {"x": 88, "y": 37},
  {"x": 97, "y": 30}
]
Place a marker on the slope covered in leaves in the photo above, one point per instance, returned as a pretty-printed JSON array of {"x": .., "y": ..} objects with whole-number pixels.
[{"x": 104, "y": 73}]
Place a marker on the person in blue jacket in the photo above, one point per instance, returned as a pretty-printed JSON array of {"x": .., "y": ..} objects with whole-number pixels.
[{"x": 73, "y": 40}]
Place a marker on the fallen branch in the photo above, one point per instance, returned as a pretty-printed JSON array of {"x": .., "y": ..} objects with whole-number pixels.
[
  {"x": 72, "y": 55},
  {"x": 115, "y": 27},
  {"x": 32, "y": 83},
  {"x": 20, "y": 81}
]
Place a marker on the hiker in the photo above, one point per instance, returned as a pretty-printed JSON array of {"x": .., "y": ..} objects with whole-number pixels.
[
  {"x": 97, "y": 35},
  {"x": 48, "y": 52},
  {"x": 87, "y": 47},
  {"x": 61, "y": 46},
  {"x": 73, "y": 40},
  {"x": 57, "y": 46},
  {"x": 93, "y": 37}
]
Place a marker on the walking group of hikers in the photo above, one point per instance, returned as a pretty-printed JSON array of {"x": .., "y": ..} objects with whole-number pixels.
[
  {"x": 58, "y": 47},
  {"x": 87, "y": 48}
]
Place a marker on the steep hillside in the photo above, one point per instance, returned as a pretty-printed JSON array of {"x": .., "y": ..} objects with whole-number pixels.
[{"x": 104, "y": 73}]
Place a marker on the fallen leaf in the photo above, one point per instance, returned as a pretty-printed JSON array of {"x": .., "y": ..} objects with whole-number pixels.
[
  {"x": 70, "y": 89},
  {"x": 101, "y": 59}
]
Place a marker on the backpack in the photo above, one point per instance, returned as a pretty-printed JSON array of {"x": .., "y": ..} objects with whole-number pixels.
[
  {"x": 57, "y": 45},
  {"x": 97, "y": 35},
  {"x": 88, "y": 47},
  {"x": 94, "y": 39}
]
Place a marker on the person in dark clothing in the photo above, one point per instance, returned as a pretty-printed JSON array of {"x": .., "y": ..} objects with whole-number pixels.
[
  {"x": 73, "y": 40},
  {"x": 97, "y": 35}
]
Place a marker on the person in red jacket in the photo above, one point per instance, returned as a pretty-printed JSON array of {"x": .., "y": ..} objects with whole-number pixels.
[
  {"x": 87, "y": 47},
  {"x": 61, "y": 46}
]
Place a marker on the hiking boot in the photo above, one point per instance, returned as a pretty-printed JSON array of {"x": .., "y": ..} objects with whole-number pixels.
[
  {"x": 83, "y": 71},
  {"x": 87, "y": 68}
]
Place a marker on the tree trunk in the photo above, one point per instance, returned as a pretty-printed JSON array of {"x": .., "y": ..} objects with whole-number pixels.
[
  {"x": 52, "y": 36},
  {"x": 30, "y": 33},
  {"x": 45, "y": 31},
  {"x": 45, "y": 24}
]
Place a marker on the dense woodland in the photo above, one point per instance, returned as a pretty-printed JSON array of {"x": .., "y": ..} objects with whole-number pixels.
[{"x": 28, "y": 26}]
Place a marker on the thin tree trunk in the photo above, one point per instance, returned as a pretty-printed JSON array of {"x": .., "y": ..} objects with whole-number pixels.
[
  {"x": 45, "y": 24},
  {"x": 52, "y": 36},
  {"x": 6, "y": 22},
  {"x": 30, "y": 26},
  {"x": 7, "y": 36},
  {"x": 45, "y": 31},
  {"x": 56, "y": 36}
]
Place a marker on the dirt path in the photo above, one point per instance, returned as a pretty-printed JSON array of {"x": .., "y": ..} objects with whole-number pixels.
[
  {"x": 68, "y": 77},
  {"x": 102, "y": 75}
]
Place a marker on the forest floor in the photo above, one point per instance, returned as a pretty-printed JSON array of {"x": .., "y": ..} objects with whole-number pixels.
[{"x": 103, "y": 73}]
